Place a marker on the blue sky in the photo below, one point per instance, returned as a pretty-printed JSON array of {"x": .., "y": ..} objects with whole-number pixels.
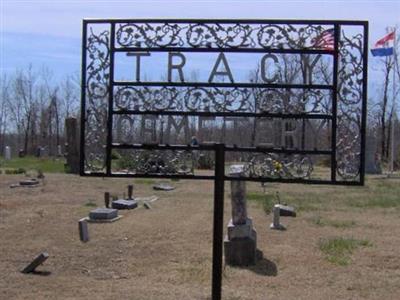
[{"x": 49, "y": 32}]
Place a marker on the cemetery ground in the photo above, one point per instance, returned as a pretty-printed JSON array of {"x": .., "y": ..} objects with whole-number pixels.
[{"x": 343, "y": 244}]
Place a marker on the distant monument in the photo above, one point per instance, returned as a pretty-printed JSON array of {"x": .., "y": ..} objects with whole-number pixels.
[
  {"x": 372, "y": 157},
  {"x": 72, "y": 145},
  {"x": 7, "y": 153}
]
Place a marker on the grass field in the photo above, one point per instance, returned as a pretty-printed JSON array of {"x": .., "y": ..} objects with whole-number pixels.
[
  {"x": 47, "y": 165},
  {"x": 343, "y": 244}
]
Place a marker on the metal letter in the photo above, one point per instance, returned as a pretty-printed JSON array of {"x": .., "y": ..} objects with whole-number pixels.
[
  {"x": 227, "y": 72},
  {"x": 177, "y": 66},
  {"x": 263, "y": 73},
  {"x": 138, "y": 55}
]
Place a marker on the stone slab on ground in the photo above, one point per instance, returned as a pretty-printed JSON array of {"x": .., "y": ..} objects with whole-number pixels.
[
  {"x": 147, "y": 199},
  {"x": 102, "y": 220},
  {"x": 41, "y": 258},
  {"x": 163, "y": 187},
  {"x": 103, "y": 213},
  {"x": 32, "y": 181},
  {"x": 124, "y": 204},
  {"x": 286, "y": 211}
]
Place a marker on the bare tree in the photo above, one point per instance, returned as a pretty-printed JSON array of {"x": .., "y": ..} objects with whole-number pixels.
[{"x": 4, "y": 98}]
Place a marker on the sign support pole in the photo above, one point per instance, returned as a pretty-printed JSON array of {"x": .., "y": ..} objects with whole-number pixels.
[{"x": 218, "y": 221}]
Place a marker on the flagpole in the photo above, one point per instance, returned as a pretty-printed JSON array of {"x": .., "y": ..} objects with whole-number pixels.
[{"x": 393, "y": 105}]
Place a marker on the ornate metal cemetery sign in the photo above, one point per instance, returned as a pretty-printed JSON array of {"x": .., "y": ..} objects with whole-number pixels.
[{"x": 286, "y": 98}]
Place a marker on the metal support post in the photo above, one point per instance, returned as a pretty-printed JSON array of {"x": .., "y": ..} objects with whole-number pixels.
[{"x": 218, "y": 221}]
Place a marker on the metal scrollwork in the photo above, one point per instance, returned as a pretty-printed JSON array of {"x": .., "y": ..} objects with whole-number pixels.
[
  {"x": 207, "y": 99},
  {"x": 271, "y": 165},
  {"x": 217, "y": 35},
  {"x": 97, "y": 81},
  {"x": 154, "y": 162},
  {"x": 220, "y": 36},
  {"x": 350, "y": 93},
  {"x": 149, "y": 35}
]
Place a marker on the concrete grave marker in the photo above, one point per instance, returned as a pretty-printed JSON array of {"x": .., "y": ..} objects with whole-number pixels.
[
  {"x": 130, "y": 192},
  {"x": 240, "y": 244},
  {"x": 7, "y": 153},
  {"x": 107, "y": 199},
  {"x": 163, "y": 187},
  {"x": 124, "y": 204},
  {"x": 278, "y": 211},
  {"x": 83, "y": 230},
  {"x": 40, "y": 259},
  {"x": 103, "y": 213}
]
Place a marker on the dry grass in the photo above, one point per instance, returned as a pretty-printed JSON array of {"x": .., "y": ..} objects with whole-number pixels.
[{"x": 165, "y": 252}]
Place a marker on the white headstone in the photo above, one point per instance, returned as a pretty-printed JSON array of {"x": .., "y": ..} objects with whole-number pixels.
[
  {"x": 7, "y": 153},
  {"x": 59, "y": 150},
  {"x": 42, "y": 152}
]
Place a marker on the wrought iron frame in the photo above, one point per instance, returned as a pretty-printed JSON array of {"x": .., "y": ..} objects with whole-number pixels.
[{"x": 182, "y": 41}]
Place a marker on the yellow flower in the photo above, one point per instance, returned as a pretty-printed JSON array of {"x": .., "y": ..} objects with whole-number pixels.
[{"x": 277, "y": 165}]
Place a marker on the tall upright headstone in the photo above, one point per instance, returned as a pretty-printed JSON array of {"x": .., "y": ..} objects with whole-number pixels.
[
  {"x": 72, "y": 145},
  {"x": 7, "y": 153},
  {"x": 240, "y": 244},
  {"x": 59, "y": 150}
]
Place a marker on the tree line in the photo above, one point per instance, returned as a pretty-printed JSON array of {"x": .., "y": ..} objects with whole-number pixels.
[{"x": 34, "y": 107}]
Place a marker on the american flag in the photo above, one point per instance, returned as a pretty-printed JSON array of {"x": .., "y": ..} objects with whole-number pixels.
[{"x": 325, "y": 41}]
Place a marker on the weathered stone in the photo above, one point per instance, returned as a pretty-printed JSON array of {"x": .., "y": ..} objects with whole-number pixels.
[
  {"x": 124, "y": 204},
  {"x": 59, "y": 150},
  {"x": 240, "y": 244},
  {"x": 276, "y": 219},
  {"x": 238, "y": 196},
  {"x": 103, "y": 213},
  {"x": 372, "y": 157},
  {"x": 286, "y": 211},
  {"x": 72, "y": 145},
  {"x": 147, "y": 205},
  {"x": 83, "y": 230},
  {"x": 41, "y": 258},
  {"x": 7, "y": 153},
  {"x": 240, "y": 231},
  {"x": 130, "y": 192},
  {"x": 238, "y": 200},
  {"x": 236, "y": 170},
  {"x": 32, "y": 181},
  {"x": 241, "y": 251},
  {"x": 163, "y": 187},
  {"x": 107, "y": 199}
]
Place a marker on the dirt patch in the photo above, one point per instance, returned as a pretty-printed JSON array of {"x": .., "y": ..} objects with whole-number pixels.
[{"x": 165, "y": 252}]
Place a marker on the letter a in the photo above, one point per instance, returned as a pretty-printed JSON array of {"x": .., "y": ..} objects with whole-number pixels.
[{"x": 227, "y": 72}]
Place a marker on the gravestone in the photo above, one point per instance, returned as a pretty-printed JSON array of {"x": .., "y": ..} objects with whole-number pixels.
[
  {"x": 7, "y": 153},
  {"x": 103, "y": 213},
  {"x": 163, "y": 187},
  {"x": 372, "y": 158},
  {"x": 83, "y": 230},
  {"x": 130, "y": 192},
  {"x": 278, "y": 211},
  {"x": 107, "y": 199},
  {"x": 124, "y": 204},
  {"x": 59, "y": 150},
  {"x": 41, "y": 258},
  {"x": 72, "y": 146},
  {"x": 240, "y": 244}
]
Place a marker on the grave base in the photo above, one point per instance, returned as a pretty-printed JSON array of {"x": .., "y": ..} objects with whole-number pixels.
[{"x": 240, "y": 245}]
